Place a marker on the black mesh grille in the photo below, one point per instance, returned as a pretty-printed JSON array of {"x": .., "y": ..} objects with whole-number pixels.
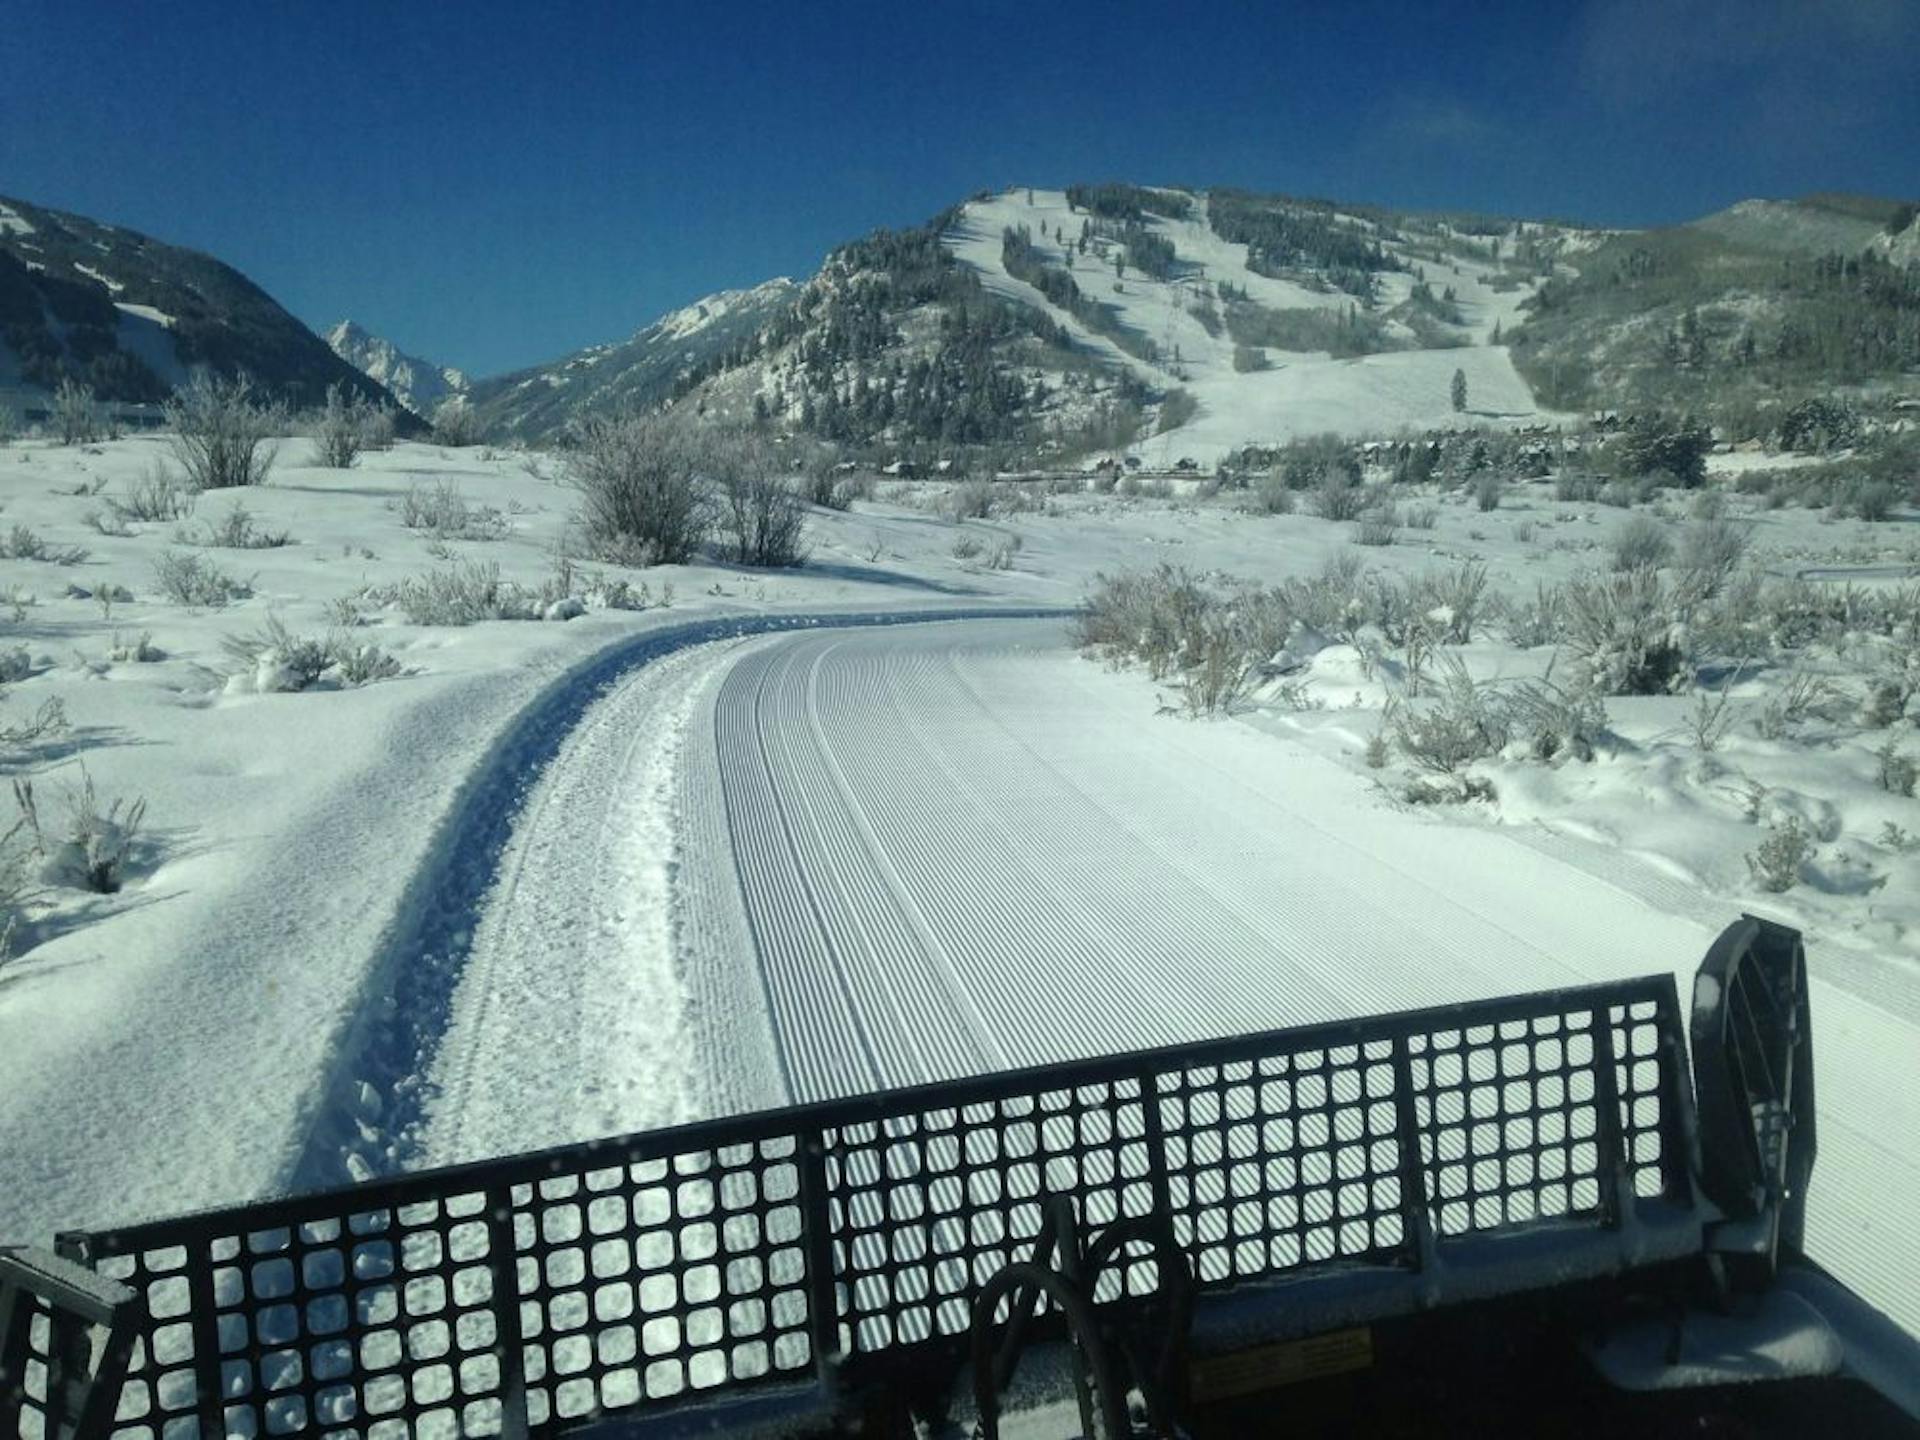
[{"x": 720, "y": 1257}]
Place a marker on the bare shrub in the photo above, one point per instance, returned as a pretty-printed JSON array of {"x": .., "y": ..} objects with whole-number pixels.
[
  {"x": 1487, "y": 491},
  {"x": 221, "y": 432},
  {"x": 276, "y": 659},
  {"x": 644, "y": 487},
  {"x": 188, "y": 579},
  {"x": 966, "y": 546},
  {"x": 761, "y": 514},
  {"x": 1422, "y": 517},
  {"x": 1640, "y": 543},
  {"x": 76, "y": 414}
]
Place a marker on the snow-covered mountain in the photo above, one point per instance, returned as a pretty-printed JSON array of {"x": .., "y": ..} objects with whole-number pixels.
[
  {"x": 131, "y": 315},
  {"x": 638, "y": 372},
  {"x": 420, "y": 385},
  {"x": 1047, "y": 324}
]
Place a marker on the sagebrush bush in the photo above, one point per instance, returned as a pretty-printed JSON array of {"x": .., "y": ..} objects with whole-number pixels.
[
  {"x": 1336, "y": 497},
  {"x": 188, "y": 579},
  {"x": 20, "y": 543},
  {"x": 645, "y": 487},
  {"x": 1625, "y": 632},
  {"x": 1464, "y": 722},
  {"x": 1777, "y": 862},
  {"x": 1376, "y": 527},
  {"x": 1271, "y": 495},
  {"x": 1640, "y": 543},
  {"x": 222, "y": 431},
  {"x": 1487, "y": 491},
  {"x": 159, "y": 494},
  {"x": 236, "y": 530},
  {"x": 463, "y": 594},
  {"x": 441, "y": 509}
]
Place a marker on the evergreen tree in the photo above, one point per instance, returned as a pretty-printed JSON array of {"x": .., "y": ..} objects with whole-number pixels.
[{"x": 1459, "y": 391}]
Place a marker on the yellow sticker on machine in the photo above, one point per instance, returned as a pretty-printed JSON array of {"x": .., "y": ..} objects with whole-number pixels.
[{"x": 1285, "y": 1362}]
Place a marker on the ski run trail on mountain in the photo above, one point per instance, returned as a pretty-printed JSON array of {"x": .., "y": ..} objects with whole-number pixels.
[{"x": 794, "y": 867}]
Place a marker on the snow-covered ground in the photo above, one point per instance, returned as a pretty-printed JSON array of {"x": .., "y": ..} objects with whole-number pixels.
[{"x": 557, "y": 879}]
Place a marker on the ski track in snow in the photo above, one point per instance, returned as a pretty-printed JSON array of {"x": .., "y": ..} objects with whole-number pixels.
[
  {"x": 507, "y": 845},
  {"x": 957, "y": 849}
]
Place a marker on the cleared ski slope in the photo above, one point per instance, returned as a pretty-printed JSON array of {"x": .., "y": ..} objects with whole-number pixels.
[{"x": 958, "y": 848}]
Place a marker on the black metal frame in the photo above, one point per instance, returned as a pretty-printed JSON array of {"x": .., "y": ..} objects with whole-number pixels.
[
  {"x": 846, "y": 1242},
  {"x": 66, "y": 1337}
]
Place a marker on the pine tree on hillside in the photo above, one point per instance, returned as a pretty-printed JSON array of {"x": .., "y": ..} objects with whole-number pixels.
[{"x": 1459, "y": 391}]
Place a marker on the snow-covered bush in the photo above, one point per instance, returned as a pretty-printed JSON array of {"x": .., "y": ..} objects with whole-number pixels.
[
  {"x": 1557, "y": 720},
  {"x": 1451, "y": 599},
  {"x": 188, "y": 579},
  {"x": 89, "y": 849},
  {"x": 1776, "y": 864},
  {"x": 1540, "y": 620},
  {"x": 969, "y": 500},
  {"x": 1271, "y": 494},
  {"x": 360, "y": 663},
  {"x": 159, "y": 494},
  {"x": 1711, "y": 550},
  {"x": 236, "y": 531},
  {"x": 1217, "y": 669},
  {"x": 455, "y": 423},
  {"x": 20, "y": 543},
  {"x": 645, "y": 488},
  {"x": 1336, "y": 497},
  {"x": 1897, "y": 771},
  {"x": 1462, "y": 723},
  {"x": 135, "y": 649},
  {"x": 1377, "y": 527},
  {"x": 462, "y": 594},
  {"x": 274, "y": 659},
  {"x": 1623, "y": 630},
  {"x": 441, "y": 509},
  {"x": 341, "y": 430},
  {"x": 377, "y": 427},
  {"x": 1640, "y": 543},
  {"x": 222, "y": 432}
]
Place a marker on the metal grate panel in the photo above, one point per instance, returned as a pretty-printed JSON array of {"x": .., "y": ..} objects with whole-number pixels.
[{"x": 713, "y": 1258}]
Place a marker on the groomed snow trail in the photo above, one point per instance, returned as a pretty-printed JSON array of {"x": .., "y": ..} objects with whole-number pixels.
[{"x": 958, "y": 849}]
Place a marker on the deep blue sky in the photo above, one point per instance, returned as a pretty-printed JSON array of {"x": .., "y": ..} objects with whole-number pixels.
[{"x": 493, "y": 184}]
